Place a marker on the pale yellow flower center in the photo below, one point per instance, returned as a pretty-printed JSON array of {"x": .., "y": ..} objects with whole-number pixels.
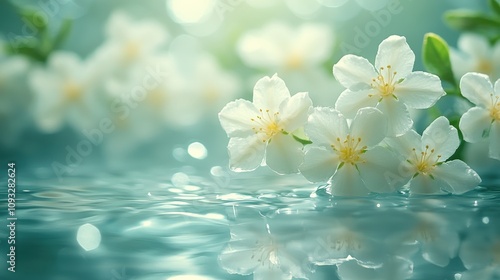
[
  {"x": 266, "y": 253},
  {"x": 349, "y": 150},
  {"x": 425, "y": 232},
  {"x": 267, "y": 123},
  {"x": 347, "y": 240},
  {"x": 211, "y": 94},
  {"x": 495, "y": 108},
  {"x": 484, "y": 66},
  {"x": 424, "y": 162},
  {"x": 157, "y": 98},
  {"x": 294, "y": 61},
  {"x": 385, "y": 81},
  {"x": 72, "y": 91},
  {"x": 131, "y": 50}
]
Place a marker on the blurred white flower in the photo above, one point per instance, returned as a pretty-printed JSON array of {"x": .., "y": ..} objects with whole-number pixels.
[
  {"x": 348, "y": 155},
  {"x": 264, "y": 128},
  {"x": 280, "y": 47},
  {"x": 480, "y": 254},
  {"x": 255, "y": 248},
  {"x": 297, "y": 54},
  {"x": 475, "y": 54},
  {"x": 64, "y": 93},
  {"x": 199, "y": 87},
  {"x": 395, "y": 268},
  {"x": 482, "y": 121},
  {"x": 129, "y": 42},
  {"x": 392, "y": 87},
  {"x": 436, "y": 237},
  {"x": 337, "y": 240},
  {"x": 423, "y": 160},
  {"x": 15, "y": 96}
]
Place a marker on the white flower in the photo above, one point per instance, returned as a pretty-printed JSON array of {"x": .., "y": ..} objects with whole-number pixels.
[
  {"x": 349, "y": 155},
  {"x": 280, "y": 47},
  {"x": 392, "y": 87},
  {"x": 424, "y": 160},
  {"x": 128, "y": 42},
  {"x": 192, "y": 101},
  {"x": 483, "y": 121},
  {"x": 480, "y": 254},
  {"x": 335, "y": 240},
  {"x": 475, "y": 54},
  {"x": 434, "y": 234},
  {"x": 297, "y": 54},
  {"x": 263, "y": 128},
  {"x": 394, "y": 268},
  {"x": 256, "y": 248},
  {"x": 15, "y": 97},
  {"x": 64, "y": 93}
]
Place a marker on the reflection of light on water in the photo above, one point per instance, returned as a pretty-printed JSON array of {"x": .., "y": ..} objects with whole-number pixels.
[
  {"x": 197, "y": 150},
  {"x": 190, "y": 11},
  {"x": 486, "y": 220},
  {"x": 211, "y": 216},
  {"x": 89, "y": 237},
  {"x": 180, "y": 179},
  {"x": 189, "y": 277},
  {"x": 146, "y": 223}
]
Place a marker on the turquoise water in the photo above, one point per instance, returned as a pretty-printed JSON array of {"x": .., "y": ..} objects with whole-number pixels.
[{"x": 188, "y": 224}]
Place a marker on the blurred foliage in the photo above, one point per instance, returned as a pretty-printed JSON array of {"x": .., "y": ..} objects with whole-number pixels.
[
  {"x": 487, "y": 24},
  {"x": 42, "y": 42}
]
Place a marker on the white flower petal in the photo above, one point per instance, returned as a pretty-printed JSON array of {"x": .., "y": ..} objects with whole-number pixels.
[
  {"x": 284, "y": 154},
  {"x": 394, "y": 51},
  {"x": 238, "y": 260},
  {"x": 495, "y": 140},
  {"x": 370, "y": 125},
  {"x": 347, "y": 182},
  {"x": 294, "y": 111},
  {"x": 477, "y": 88},
  {"x": 460, "y": 63},
  {"x": 349, "y": 102},
  {"x": 419, "y": 90},
  {"x": 424, "y": 184},
  {"x": 441, "y": 249},
  {"x": 351, "y": 270},
  {"x": 458, "y": 175},
  {"x": 484, "y": 273},
  {"x": 236, "y": 118},
  {"x": 399, "y": 120},
  {"x": 475, "y": 124},
  {"x": 442, "y": 137},
  {"x": 246, "y": 154},
  {"x": 273, "y": 272},
  {"x": 405, "y": 143},
  {"x": 268, "y": 93},
  {"x": 497, "y": 83},
  {"x": 379, "y": 171},
  {"x": 476, "y": 251},
  {"x": 474, "y": 45},
  {"x": 325, "y": 125},
  {"x": 352, "y": 70},
  {"x": 319, "y": 164},
  {"x": 314, "y": 42}
]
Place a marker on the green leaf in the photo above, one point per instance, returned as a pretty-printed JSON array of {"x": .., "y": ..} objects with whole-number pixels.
[
  {"x": 35, "y": 20},
  {"x": 436, "y": 56},
  {"x": 471, "y": 20},
  {"x": 495, "y": 6},
  {"x": 63, "y": 33},
  {"x": 302, "y": 141}
]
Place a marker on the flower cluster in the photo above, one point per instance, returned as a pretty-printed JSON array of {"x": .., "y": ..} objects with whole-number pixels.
[{"x": 367, "y": 143}]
